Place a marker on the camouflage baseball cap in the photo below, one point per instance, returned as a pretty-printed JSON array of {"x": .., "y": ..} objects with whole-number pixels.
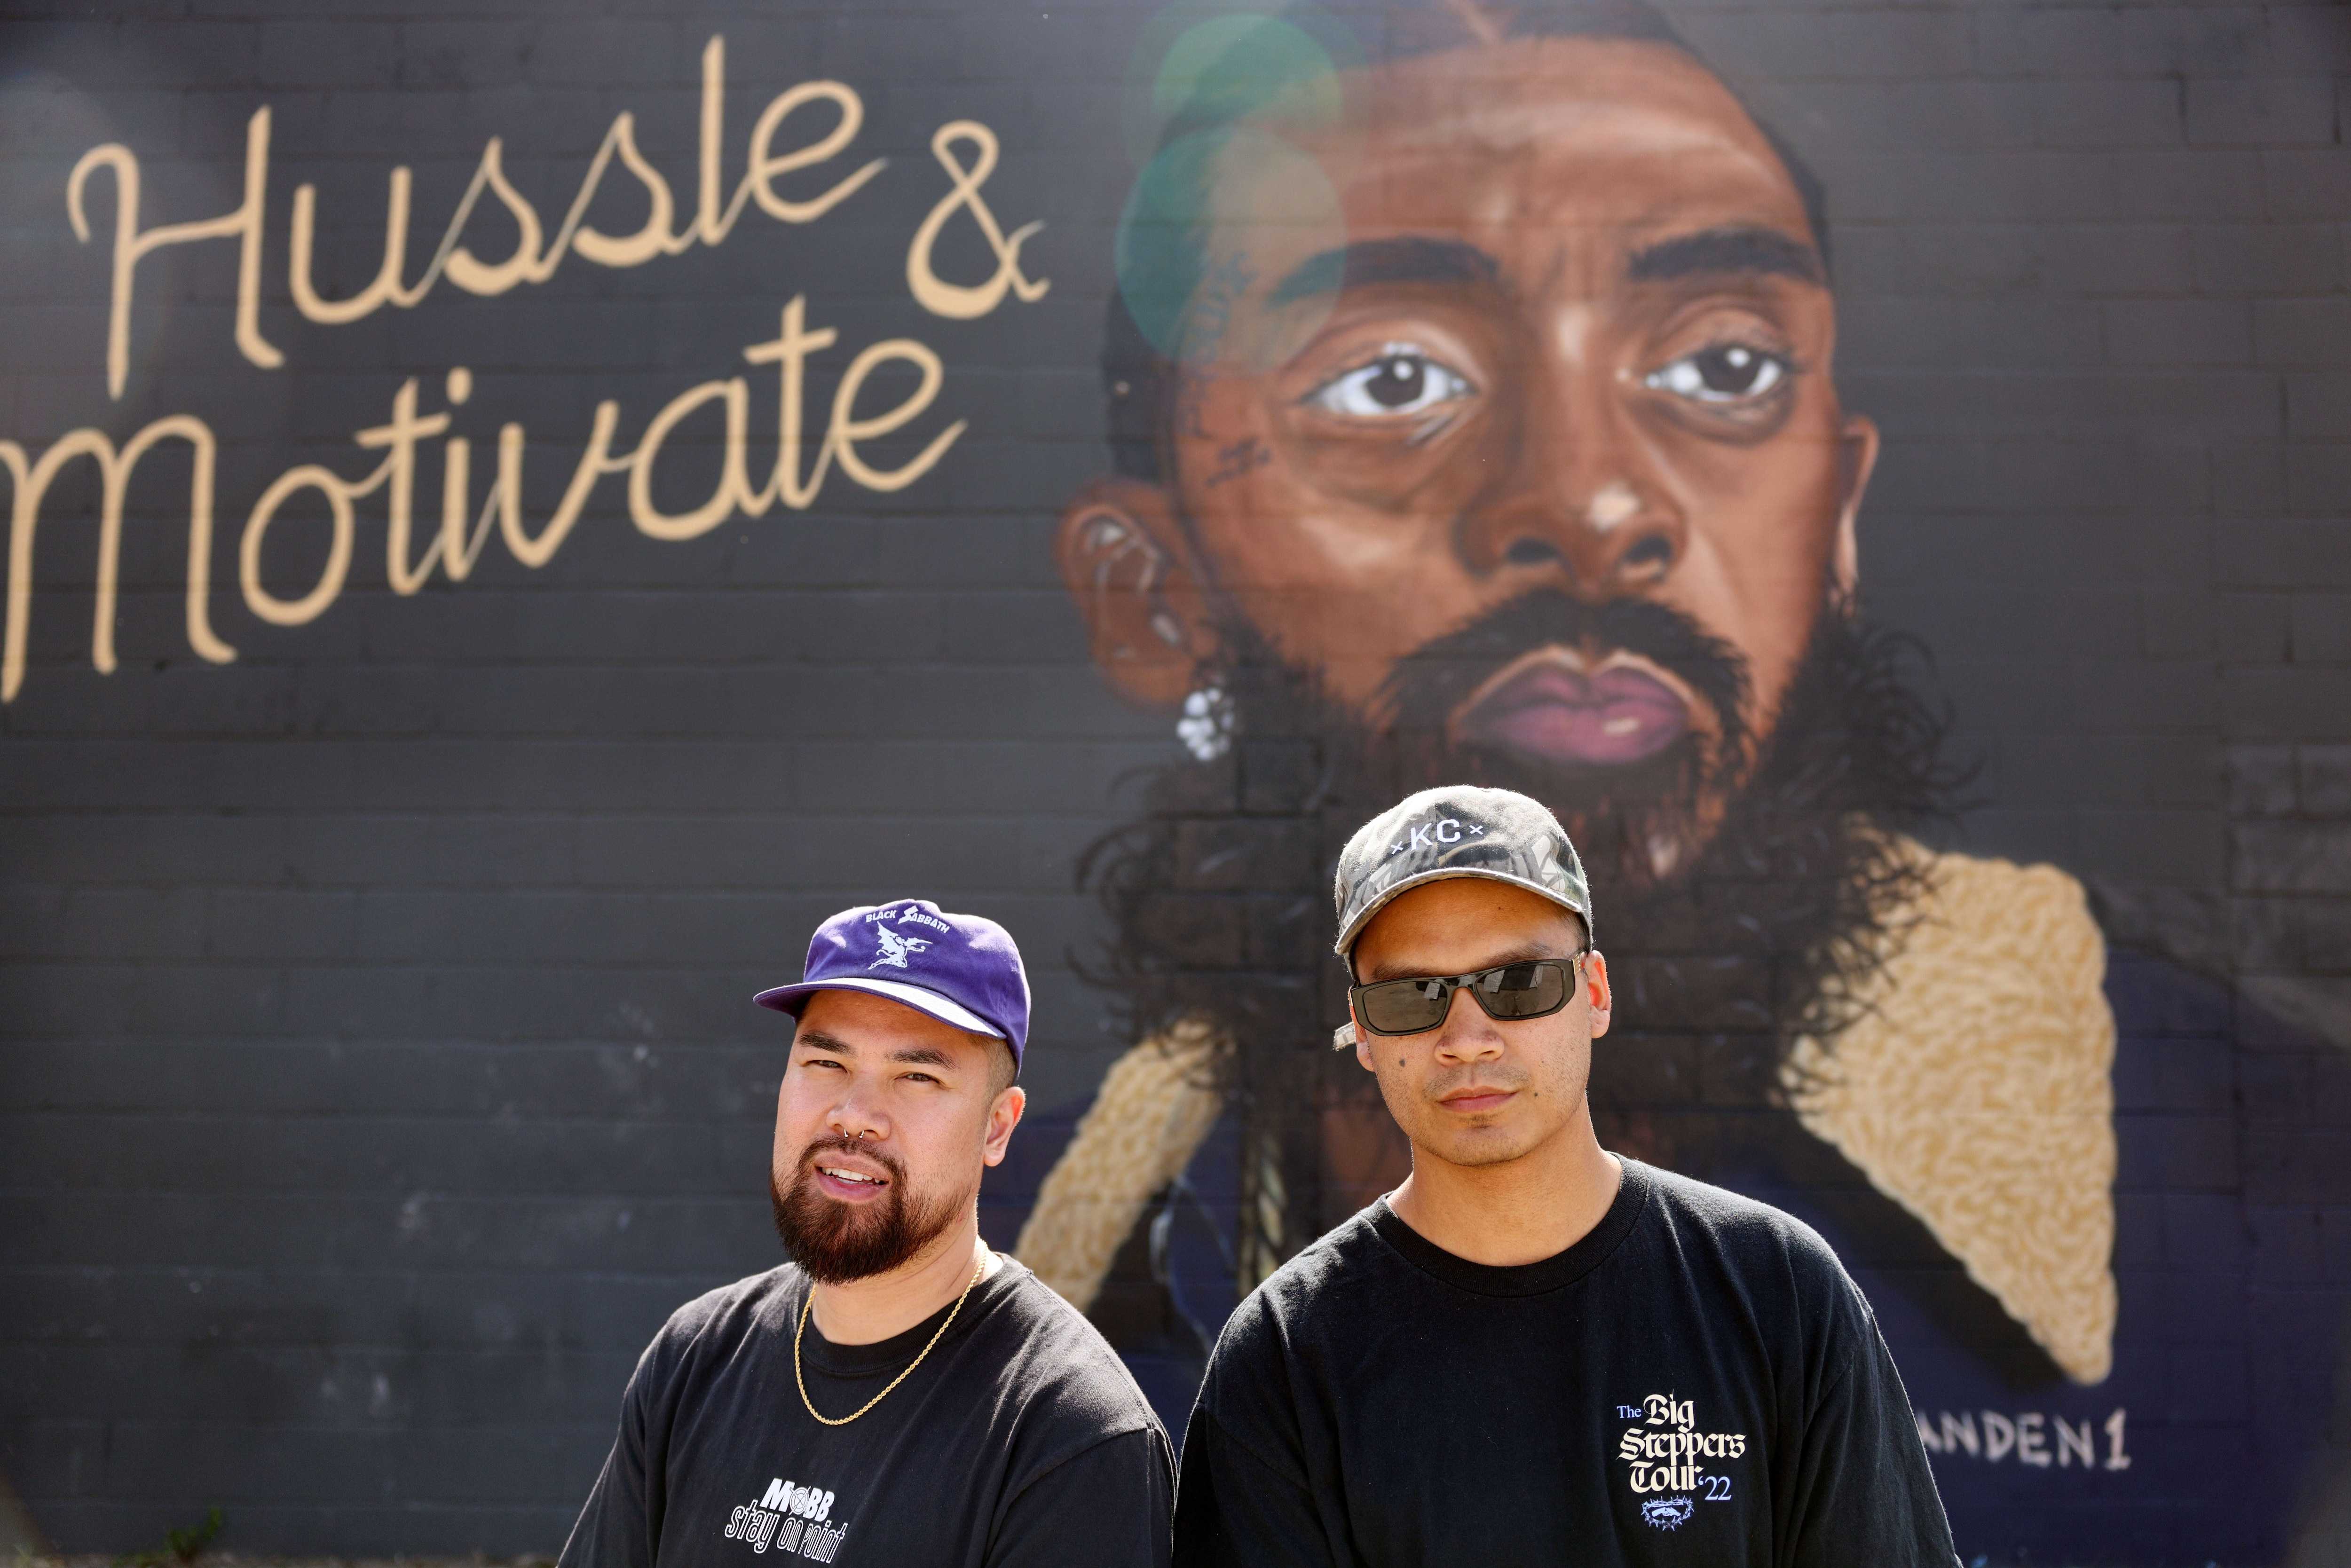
[{"x": 1458, "y": 831}]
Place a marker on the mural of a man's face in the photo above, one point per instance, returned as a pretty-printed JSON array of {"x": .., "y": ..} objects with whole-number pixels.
[{"x": 1529, "y": 449}]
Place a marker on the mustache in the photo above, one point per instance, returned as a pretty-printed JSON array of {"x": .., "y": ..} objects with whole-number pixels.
[{"x": 1429, "y": 685}]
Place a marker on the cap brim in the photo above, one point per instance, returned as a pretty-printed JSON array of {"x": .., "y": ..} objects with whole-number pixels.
[
  {"x": 922, "y": 998},
  {"x": 1364, "y": 915}
]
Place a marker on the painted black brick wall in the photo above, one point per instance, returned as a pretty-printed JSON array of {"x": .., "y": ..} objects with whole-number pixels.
[{"x": 376, "y": 1066}]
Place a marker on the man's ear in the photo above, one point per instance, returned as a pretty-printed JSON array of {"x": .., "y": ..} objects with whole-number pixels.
[
  {"x": 1003, "y": 1115},
  {"x": 1597, "y": 992},
  {"x": 1128, "y": 566},
  {"x": 1856, "y": 456}
]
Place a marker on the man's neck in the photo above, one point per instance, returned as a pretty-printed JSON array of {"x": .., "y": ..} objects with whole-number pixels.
[
  {"x": 1514, "y": 1211},
  {"x": 862, "y": 1312}
]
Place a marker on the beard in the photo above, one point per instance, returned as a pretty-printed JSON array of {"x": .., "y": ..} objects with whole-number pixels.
[
  {"x": 1723, "y": 950},
  {"x": 836, "y": 1242}
]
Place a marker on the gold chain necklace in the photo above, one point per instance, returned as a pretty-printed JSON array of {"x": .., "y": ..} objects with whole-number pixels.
[{"x": 902, "y": 1377}]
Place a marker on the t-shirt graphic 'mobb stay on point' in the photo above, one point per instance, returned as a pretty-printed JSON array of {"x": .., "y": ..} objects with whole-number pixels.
[
  {"x": 792, "y": 1519},
  {"x": 1021, "y": 1440},
  {"x": 1695, "y": 1384}
]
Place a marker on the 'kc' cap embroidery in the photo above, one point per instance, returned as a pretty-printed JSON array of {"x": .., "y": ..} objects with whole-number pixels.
[
  {"x": 964, "y": 969},
  {"x": 1461, "y": 830}
]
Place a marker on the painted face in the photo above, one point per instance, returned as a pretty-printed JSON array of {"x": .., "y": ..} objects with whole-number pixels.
[
  {"x": 1475, "y": 1091},
  {"x": 1528, "y": 438},
  {"x": 884, "y": 1122}
]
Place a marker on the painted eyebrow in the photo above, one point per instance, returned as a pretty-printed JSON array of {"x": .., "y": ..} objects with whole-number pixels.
[
  {"x": 1740, "y": 249},
  {"x": 1518, "y": 954},
  {"x": 1410, "y": 259}
]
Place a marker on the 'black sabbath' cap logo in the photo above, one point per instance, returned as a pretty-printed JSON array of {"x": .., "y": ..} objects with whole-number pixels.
[{"x": 1461, "y": 830}]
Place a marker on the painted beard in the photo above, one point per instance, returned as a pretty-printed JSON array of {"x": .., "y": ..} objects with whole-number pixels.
[
  {"x": 1618, "y": 755},
  {"x": 1219, "y": 892},
  {"x": 837, "y": 1242}
]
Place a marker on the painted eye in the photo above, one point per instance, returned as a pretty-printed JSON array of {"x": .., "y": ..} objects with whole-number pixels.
[
  {"x": 1722, "y": 373},
  {"x": 1402, "y": 382}
]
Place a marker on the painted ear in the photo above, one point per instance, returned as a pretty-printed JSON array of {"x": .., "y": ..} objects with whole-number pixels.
[
  {"x": 1126, "y": 564},
  {"x": 1857, "y": 454}
]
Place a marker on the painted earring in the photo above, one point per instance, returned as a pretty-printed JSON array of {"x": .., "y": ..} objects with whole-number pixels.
[{"x": 1207, "y": 728}]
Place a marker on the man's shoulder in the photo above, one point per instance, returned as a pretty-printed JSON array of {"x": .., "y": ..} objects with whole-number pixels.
[
  {"x": 706, "y": 1332},
  {"x": 749, "y": 1300},
  {"x": 1061, "y": 1366},
  {"x": 1340, "y": 1254},
  {"x": 757, "y": 1303},
  {"x": 1346, "y": 1258},
  {"x": 1743, "y": 1234}
]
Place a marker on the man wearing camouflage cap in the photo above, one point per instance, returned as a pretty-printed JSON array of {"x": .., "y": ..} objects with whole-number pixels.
[{"x": 1533, "y": 1350}]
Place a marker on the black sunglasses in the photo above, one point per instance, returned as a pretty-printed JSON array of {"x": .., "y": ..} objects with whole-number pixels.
[{"x": 1530, "y": 988}]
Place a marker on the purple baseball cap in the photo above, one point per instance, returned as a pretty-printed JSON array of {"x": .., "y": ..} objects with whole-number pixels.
[{"x": 963, "y": 969}]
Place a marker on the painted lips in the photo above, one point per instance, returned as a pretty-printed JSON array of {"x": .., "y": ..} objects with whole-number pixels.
[{"x": 1565, "y": 716}]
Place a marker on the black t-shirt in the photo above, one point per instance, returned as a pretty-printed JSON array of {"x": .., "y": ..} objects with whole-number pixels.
[
  {"x": 1020, "y": 1439},
  {"x": 1696, "y": 1381}
]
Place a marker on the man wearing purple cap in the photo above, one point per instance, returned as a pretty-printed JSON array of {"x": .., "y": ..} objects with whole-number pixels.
[{"x": 897, "y": 1392}]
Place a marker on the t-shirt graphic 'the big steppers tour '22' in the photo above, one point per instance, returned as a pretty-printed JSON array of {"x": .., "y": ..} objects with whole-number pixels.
[
  {"x": 996, "y": 1451},
  {"x": 1696, "y": 1382}
]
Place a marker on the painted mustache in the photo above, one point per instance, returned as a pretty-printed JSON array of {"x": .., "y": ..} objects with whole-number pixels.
[{"x": 1581, "y": 699}]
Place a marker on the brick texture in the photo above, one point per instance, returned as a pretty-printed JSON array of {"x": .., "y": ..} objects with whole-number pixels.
[{"x": 376, "y": 1062}]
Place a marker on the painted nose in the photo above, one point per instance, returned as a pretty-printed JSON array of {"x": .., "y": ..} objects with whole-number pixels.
[
  {"x": 1581, "y": 499},
  {"x": 1613, "y": 544}
]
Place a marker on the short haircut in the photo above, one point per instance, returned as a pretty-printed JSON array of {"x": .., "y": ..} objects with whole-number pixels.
[
  {"x": 1003, "y": 1071},
  {"x": 1138, "y": 377}
]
